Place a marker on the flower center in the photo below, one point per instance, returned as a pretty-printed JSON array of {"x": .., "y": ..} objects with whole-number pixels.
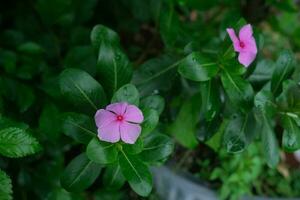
[
  {"x": 242, "y": 44},
  {"x": 120, "y": 118}
]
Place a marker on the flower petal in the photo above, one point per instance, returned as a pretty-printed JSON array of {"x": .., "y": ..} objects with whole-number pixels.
[
  {"x": 110, "y": 132},
  {"x": 104, "y": 117},
  {"x": 133, "y": 114},
  {"x": 118, "y": 108},
  {"x": 245, "y": 32},
  {"x": 129, "y": 132},
  {"x": 251, "y": 45},
  {"x": 246, "y": 58},
  {"x": 234, "y": 39}
]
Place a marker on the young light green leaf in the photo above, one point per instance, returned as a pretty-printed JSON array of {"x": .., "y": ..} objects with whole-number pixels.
[
  {"x": 81, "y": 90},
  {"x": 136, "y": 173},
  {"x": 197, "y": 67},
  {"x": 101, "y": 152},
  {"x": 5, "y": 186},
  {"x": 80, "y": 174},
  {"x": 127, "y": 93},
  {"x": 16, "y": 142},
  {"x": 79, "y": 127}
]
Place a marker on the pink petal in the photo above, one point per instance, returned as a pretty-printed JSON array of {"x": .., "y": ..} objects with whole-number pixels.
[
  {"x": 246, "y": 58},
  {"x": 245, "y": 32},
  {"x": 104, "y": 117},
  {"x": 129, "y": 132},
  {"x": 251, "y": 45},
  {"x": 234, "y": 39},
  {"x": 118, "y": 108},
  {"x": 133, "y": 114},
  {"x": 110, "y": 132}
]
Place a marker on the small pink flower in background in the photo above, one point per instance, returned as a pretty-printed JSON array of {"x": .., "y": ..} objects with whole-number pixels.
[
  {"x": 244, "y": 44},
  {"x": 119, "y": 121}
]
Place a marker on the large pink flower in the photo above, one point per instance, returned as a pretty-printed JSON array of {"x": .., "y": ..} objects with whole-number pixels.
[
  {"x": 244, "y": 44},
  {"x": 119, "y": 121}
]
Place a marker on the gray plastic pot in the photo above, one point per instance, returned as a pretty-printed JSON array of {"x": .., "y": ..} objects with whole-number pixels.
[{"x": 178, "y": 186}]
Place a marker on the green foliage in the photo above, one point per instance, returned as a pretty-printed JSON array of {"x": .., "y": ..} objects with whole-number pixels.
[
  {"x": 5, "y": 186},
  {"x": 171, "y": 58},
  {"x": 16, "y": 142}
]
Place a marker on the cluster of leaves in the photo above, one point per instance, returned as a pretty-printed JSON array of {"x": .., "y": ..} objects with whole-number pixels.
[{"x": 56, "y": 71}]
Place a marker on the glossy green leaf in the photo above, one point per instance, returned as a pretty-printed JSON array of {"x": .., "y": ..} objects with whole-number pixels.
[
  {"x": 136, "y": 173},
  {"x": 135, "y": 148},
  {"x": 240, "y": 132},
  {"x": 238, "y": 90},
  {"x": 197, "y": 67},
  {"x": 154, "y": 102},
  {"x": 79, "y": 127},
  {"x": 291, "y": 134},
  {"x": 80, "y": 174},
  {"x": 184, "y": 126},
  {"x": 155, "y": 74},
  {"x": 211, "y": 101},
  {"x": 113, "y": 66},
  {"x": 101, "y": 152},
  {"x": 127, "y": 93},
  {"x": 15, "y": 142},
  {"x": 5, "y": 186},
  {"x": 283, "y": 69},
  {"x": 80, "y": 89},
  {"x": 150, "y": 122},
  {"x": 289, "y": 99},
  {"x": 156, "y": 147},
  {"x": 113, "y": 178}
]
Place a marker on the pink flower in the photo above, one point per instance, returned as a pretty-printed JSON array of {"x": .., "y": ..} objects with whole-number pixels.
[
  {"x": 244, "y": 44},
  {"x": 119, "y": 121}
]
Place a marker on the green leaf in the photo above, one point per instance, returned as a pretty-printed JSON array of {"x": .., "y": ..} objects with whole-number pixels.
[
  {"x": 135, "y": 148},
  {"x": 60, "y": 193},
  {"x": 270, "y": 144},
  {"x": 101, "y": 152},
  {"x": 113, "y": 66},
  {"x": 81, "y": 57},
  {"x": 156, "y": 147},
  {"x": 291, "y": 134},
  {"x": 79, "y": 127},
  {"x": 136, "y": 173},
  {"x": 127, "y": 93},
  {"x": 15, "y": 142},
  {"x": 113, "y": 178},
  {"x": 155, "y": 74},
  {"x": 80, "y": 174},
  {"x": 211, "y": 101},
  {"x": 184, "y": 126},
  {"x": 239, "y": 91},
  {"x": 154, "y": 102},
  {"x": 263, "y": 72},
  {"x": 283, "y": 69},
  {"x": 5, "y": 186},
  {"x": 289, "y": 99},
  {"x": 240, "y": 132},
  {"x": 150, "y": 122},
  {"x": 197, "y": 67},
  {"x": 81, "y": 90}
]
